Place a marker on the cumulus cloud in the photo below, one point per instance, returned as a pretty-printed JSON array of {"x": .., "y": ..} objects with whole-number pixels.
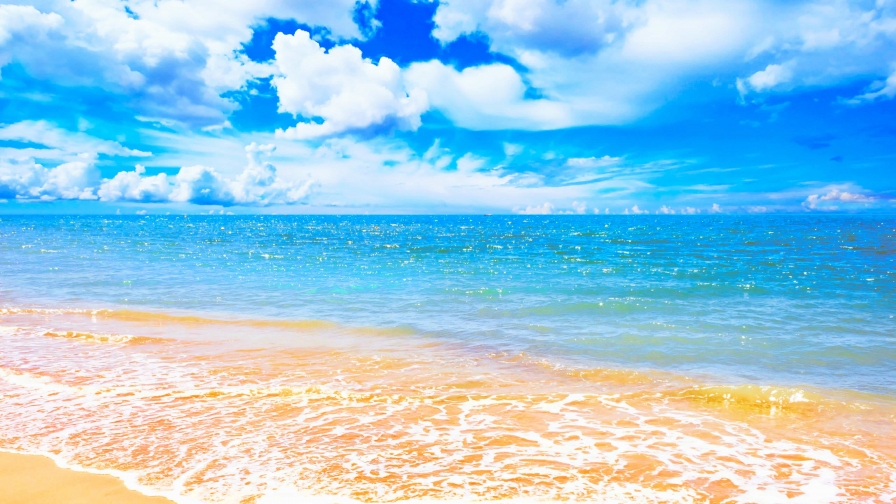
[
  {"x": 635, "y": 211},
  {"x": 589, "y": 62},
  {"x": 173, "y": 57},
  {"x": 822, "y": 43},
  {"x": 543, "y": 209},
  {"x": 74, "y": 177},
  {"x": 586, "y": 61},
  {"x": 23, "y": 24},
  {"x": 258, "y": 185},
  {"x": 827, "y": 201},
  {"x": 340, "y": 87},
  {"x": 610, "y": 62},
  {"x": 29, "y": 180},
  {"x": 763, "y": 80},
  {"x": 134, "y": 186},
  {"x": 384, "y": 173}
]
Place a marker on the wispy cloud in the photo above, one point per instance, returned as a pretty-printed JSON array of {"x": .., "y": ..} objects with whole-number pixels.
[{"x": 46, "y": 135}]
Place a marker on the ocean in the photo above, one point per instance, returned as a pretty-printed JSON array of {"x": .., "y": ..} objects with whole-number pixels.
[{"x": 353, "y": 359}]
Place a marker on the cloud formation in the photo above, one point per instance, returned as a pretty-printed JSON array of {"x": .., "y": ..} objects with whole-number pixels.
[
  {"x": 568, "y": 28},
  {"x": 486, "y": 97},
  {"x": 763, "y": 80},
  {"x": 28, "y": 180},
  {"x": 826, "y": 201},
  {"x": 173, "y": 58},
  {"x": 258, "y": 185},
  {"x": 581, "y": 62},
  {"x": 602, "y": 62},
  {"x": 341, "y": 88},
  {"x": 885, "y": 89},
  {"x": 543, "y": 209},
  {"x": 23, "y": 24},
  {"x": 49, "y": 136},
  {"x": 822, "y": 43}
]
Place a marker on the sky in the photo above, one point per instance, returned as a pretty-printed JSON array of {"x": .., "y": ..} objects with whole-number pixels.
[{"x": 455, "y": 106}]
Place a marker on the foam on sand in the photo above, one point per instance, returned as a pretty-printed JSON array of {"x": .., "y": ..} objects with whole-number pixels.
[
  {"x": 205, "y": 422},
  {"x": 30, "y": 479}
]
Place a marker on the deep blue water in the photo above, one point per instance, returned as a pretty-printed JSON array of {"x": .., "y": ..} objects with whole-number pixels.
[{"x": 795, "y": 300}]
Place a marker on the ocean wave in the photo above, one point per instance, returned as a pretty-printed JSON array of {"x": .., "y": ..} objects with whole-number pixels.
[
  {"x": 207, "y": 423},
  {"x": 158, "y": 318}
]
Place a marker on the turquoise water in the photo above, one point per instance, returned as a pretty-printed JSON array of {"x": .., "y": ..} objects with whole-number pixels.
[{"x": 783, "y": 300}]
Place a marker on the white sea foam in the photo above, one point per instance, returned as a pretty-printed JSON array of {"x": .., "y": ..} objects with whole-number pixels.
[{"x": 341, "y": 428}]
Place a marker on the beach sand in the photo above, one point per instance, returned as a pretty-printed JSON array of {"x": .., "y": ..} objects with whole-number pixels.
[{"x": 32, "y": 479}]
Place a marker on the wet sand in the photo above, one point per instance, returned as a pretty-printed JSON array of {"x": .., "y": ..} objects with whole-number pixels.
[{"x": 32, "y": 479}]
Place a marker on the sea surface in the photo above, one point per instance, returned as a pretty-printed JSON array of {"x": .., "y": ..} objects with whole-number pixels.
[{"x": 261, "y": 359}]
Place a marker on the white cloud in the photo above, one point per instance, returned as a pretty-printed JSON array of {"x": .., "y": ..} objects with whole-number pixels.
[
  {"x": 174, "y": 57},
  {"x": 75, "y": 175},
  {"x": 825, "y": 201},
  {"x": 630, "y": 56},
  {"x": 342, "y": 88},
  {"x": 593, "y": 162},
  {"x": 383, "y": 174},
  {"x": 258, "y": 185},
  {"x": 715, "y": 208},
  {"x": 824, "y": 42},
  {"x": 763, "y": 80},
  {"x": 665, "y": 210},
  {"x": 592, "y": 62},
  {"x": 511, "y": 149},
  {"x": 635, "y": 210},
  {"x": 31, "y": 181},
  {"x": 587, "y": 61},
  {"x": 686, "y": 33},
  {"x": 133, "y": 186},
  {"x": 470, "y": 162},
  {"x": 579, "y": 207},
  {"x": 690, "y": 211},
  {"x": 543, "y": 209},
  {"x": 570, "y": 28},
  {"x": 886, "y": 90},
  {"x": 49, "y": 135},
  {"x": 23, "y": 24},
  {"x": 485, "y": 97},
  {"x": 438, "y": 156}
]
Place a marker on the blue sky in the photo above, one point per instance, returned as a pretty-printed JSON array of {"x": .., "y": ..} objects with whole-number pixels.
[{"x": 479, "y": 106}]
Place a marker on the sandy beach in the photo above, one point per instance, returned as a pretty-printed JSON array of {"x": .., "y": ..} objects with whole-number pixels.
[{"x": 32, "y": 479}]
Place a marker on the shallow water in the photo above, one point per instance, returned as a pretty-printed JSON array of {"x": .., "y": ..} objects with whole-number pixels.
[{"x": 381, "y": 359}]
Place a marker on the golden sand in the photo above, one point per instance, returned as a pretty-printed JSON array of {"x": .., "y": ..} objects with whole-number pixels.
[
  {"x": 31, "y": 479},
  {"x": 425, "y": 420}
]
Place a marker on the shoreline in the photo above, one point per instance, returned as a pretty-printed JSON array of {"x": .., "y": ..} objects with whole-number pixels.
[
  {"x": 36, "y": 479},
  {"x": 533, "y": 420}
]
